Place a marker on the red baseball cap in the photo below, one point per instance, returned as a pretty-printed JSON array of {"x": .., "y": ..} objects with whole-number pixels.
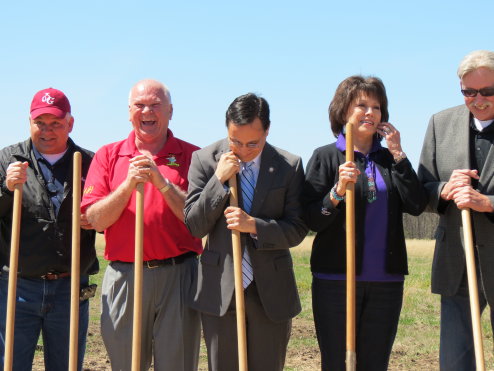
[{"x": 50, "y": 101}]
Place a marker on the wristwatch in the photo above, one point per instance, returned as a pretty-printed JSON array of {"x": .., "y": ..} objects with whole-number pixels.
[
  {"x": 400, "y": 157},
  {"x": 166, "y": 187}
]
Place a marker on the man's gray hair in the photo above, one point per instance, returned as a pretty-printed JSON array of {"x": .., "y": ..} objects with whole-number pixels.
[
  {"x": 475, "y": 60},
  {"x": 167, "y": 93}
]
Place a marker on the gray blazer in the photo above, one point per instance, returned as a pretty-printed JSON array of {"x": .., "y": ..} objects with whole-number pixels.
[
  {"x": 276, "y": 207},
  {"x": 446, "y": 148}
]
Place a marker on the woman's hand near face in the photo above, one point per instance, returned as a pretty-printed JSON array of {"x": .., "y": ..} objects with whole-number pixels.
[{"x": 392, "y": 136}]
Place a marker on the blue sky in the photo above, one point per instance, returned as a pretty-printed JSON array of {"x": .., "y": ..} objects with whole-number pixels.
[{"x": 292, "y": 53}]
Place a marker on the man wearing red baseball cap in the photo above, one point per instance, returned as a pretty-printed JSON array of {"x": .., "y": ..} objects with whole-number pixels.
[{"x": 43, "y": 165}]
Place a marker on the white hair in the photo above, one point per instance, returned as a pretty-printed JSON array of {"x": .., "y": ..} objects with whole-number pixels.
[{"x": 475, "y": 60}]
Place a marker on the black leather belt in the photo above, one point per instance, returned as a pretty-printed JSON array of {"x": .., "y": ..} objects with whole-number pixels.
[
  {"x": 170, "y": 261},
  {"x": 54, "y": 276},
  {"x": 50, "y": 276},
  {"x": 161, "y": 262}
]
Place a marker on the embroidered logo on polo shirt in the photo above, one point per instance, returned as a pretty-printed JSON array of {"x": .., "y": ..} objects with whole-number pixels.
[
  {"x": 88, "y": 190},
  {"x": 172, "y": 160}
]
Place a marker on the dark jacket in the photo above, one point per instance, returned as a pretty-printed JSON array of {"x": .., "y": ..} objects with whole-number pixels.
[
  {"x": 45, "y": 239},
  {"x": 405, "y": 194}
]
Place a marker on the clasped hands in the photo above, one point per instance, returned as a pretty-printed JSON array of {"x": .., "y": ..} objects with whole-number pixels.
[
  {"x": 460, "y": 190},
  {"x": 143, "y": 169}
]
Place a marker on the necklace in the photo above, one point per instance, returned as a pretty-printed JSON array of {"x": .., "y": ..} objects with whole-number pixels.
[
  {"x": 370, "y": 170},
  {"x": 372, "y": 195}
]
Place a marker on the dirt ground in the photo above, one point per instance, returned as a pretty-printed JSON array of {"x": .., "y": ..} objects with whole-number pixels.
[
  {"x": 301, "y": 357},
  {"x": 298, "y": 358}
]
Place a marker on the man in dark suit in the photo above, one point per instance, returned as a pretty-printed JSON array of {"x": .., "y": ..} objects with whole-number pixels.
[
  {"x": 457, "y": 169},
  {"x": 269, "y": 220}
]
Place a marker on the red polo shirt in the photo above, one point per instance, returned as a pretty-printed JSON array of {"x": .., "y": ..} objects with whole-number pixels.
[{"x": 165, "y": 235}]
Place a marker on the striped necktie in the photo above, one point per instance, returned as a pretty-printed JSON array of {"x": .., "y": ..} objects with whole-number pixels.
[{"x": 247, "y": 184}]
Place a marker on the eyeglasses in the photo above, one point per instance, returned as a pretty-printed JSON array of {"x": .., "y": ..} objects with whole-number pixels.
[
  {"x": 485, "y": 92},
  {"x": 250, "y": 145}
]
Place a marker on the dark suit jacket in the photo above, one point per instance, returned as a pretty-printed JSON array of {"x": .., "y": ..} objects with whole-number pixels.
[
  {"x": 276, "y": 207},
  {"x": 446, "y": 148}
]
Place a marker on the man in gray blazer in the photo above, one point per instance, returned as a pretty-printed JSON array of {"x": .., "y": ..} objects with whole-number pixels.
[
  {"x": 270, "y": 223},
  {"x": 457, "y": 169}
]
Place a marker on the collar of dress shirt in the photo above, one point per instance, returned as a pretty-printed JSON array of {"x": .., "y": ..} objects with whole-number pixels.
[{"x": 481, "y": 125}]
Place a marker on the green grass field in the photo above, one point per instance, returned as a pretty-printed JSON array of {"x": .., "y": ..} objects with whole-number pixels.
[
  {"x": 417, "y": 343},
  {"x": 416, "y": 346}
]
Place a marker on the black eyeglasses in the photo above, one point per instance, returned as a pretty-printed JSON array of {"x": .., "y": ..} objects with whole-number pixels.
[{"x": 485, "y": 92}]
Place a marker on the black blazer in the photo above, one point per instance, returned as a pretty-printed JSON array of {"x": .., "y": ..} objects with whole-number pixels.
[{"x": 405, "y": 194}]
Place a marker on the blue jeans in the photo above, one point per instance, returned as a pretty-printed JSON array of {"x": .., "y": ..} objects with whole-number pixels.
[
  {"x": 456, "y": 348},
  {"x": 378, "y": 307},
  {"x": 42, "y": 306}
]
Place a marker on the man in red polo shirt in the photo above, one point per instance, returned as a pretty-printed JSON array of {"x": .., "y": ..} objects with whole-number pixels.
[{"x": 150, "y": 155}]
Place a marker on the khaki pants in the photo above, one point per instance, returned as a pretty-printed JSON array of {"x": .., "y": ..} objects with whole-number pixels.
[{"x": 170, "y": 329}]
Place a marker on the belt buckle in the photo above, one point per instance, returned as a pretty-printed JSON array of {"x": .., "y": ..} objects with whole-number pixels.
[
  {"x": 50, "y": 276},
  {"x": 150, "y": 264}
]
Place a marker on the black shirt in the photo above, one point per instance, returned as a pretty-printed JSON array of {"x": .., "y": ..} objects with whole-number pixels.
[{"x": 480, "y": 144}]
